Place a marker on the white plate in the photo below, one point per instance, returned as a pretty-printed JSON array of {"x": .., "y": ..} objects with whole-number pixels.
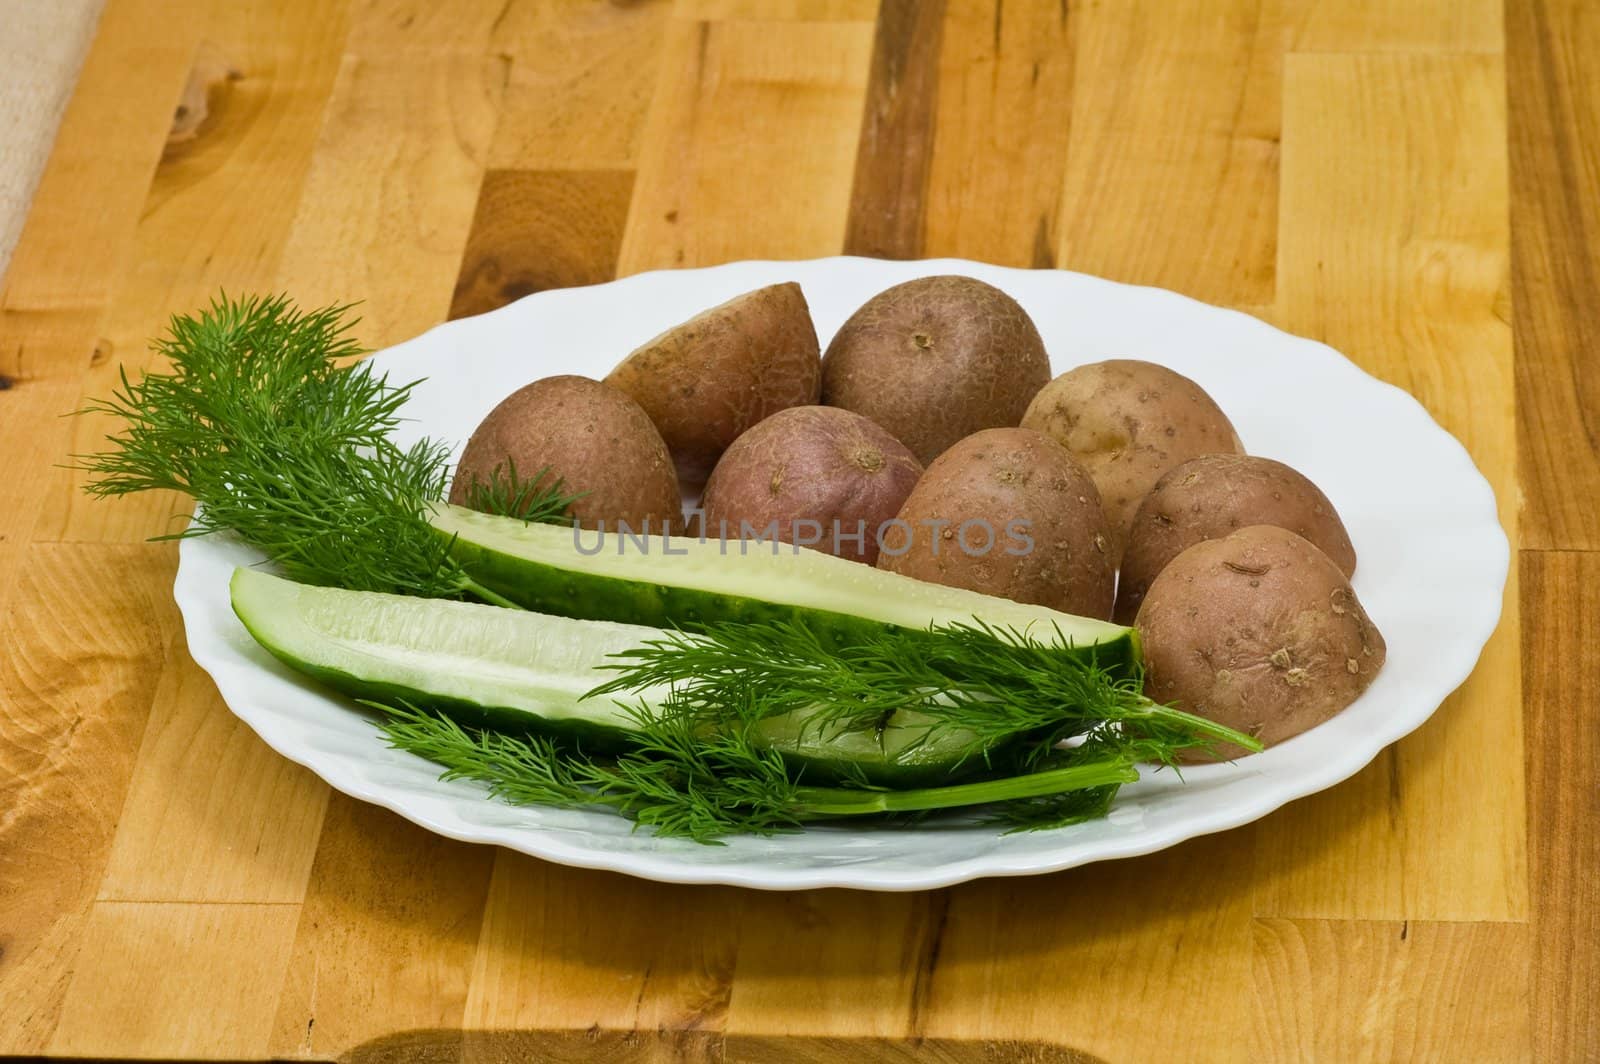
[{"x": 1433, "y": 562}]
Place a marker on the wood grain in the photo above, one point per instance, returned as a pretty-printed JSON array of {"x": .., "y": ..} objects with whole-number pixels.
[
  {"x": 582, "y": 78},
  {"x": 213, "y": 960},
  {"x": 78, "y": 686},
  {"x": 570, "y": 948},
  {"x": 782, "y": 10},
  {"x": 535, "y": 230},
  {"x": 749, "y": 145},
  {"x": 888, "y": 198},
  {"x": 1393, "y": 249},
  {"x": 1417, "y": 26},
  {"x": 211, "y": 814},
  {"x": 389, "y": 199},
  {"x": 1003, "y": 124},
  {"x": 1074, "y": 959},
  {"x": 1561, "y": 601},
  {"x": 830, "y": 961},
  {"x": 1555, "y": 168},
  {"x": 1391, "y": 990},
  {"x": 386, "y": 934},
  {"x": 1175, "y": 126},
  {"x": 34, "y": 434}
]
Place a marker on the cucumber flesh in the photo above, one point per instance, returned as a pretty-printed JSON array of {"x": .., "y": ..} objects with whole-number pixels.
[
  {"x": 488, "y": 666},
  {"x": 687, "y": 582},
  {"x": 516, "y": 671}
]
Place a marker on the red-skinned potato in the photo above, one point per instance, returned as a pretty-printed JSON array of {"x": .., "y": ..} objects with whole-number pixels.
[
  {"x": 1259, "y": 631},
  {"x": 1021, "y": 495},
  {"x": 724, "y": 370},
  {"x": 1128, "y": 422},
  {"x": 1217, "y": 494},
  {"x": 812, "y": 472},
  {"x": 935, "y": 360},
  {"x": 592, "y": 438}
]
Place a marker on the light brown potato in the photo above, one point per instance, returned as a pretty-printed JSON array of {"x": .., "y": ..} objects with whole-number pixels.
[
  {"x": 1019, "y": 493},
  {"x": 829, "y": 470},
  {"x": 592, "y": 438},
  {"x": 935, "y": 360},
  {"x": 706, "y": 381},
  {"x": 1128, "y": 422},
  {"x": 1260, "y": 631},
  {"x": 1217, "y": 494}
]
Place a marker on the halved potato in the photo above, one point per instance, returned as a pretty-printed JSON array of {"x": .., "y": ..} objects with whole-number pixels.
[{"x": 705, "y": 382}]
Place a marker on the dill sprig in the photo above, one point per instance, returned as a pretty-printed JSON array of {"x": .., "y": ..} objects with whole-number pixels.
[
  {"x": 261, "y": 418},
  {"x": 695, "y": 771},
  {"x": 680, "y": 784},
  {"x": 686, "y": 784},
  {"x": 991, "y": 683},
  {"x": 539, "y": 498}
]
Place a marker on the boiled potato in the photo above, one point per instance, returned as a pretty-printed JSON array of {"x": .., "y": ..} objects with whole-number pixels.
[
  {"x": 589, "y": 436},
  {"x": 936, "y": 359},
  {"x": 1216, "y": 494},
  {"x": 1128, "y": 422},
  {"x": 1260, "y": 631},
  {"x": 1007, "y": 512},
  {"x": 708, "y": 380},
  {"x": 823, "y": 477}
]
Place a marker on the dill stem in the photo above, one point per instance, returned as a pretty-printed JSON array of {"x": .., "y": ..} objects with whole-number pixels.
[
  {"x": 819, "y": 803},
  {"x": 478, "y": 591},
  {"x": 1153, "y": 710}
]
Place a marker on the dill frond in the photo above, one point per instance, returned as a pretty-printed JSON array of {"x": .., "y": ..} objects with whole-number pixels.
[{"x": 262, "y": 419}]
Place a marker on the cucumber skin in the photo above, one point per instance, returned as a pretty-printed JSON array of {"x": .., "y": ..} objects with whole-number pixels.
[{"x": 569, "y": 593}]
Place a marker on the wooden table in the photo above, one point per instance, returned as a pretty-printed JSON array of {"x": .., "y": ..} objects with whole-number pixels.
[{"x": 1415, "y": 183}]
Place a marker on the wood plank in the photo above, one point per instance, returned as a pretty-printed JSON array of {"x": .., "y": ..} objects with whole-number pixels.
[
  {"x": 778, "y": 10},
  {"x": 535, "y": 230},
  {"x": 212, "y": 813},
  {"x": 582, "y": 76},
  {"x": 1416, "y": 26},
  {"x": 215, "y": 219},
  {"x": 1381, "y": 991},
  {"x": 83, "y": 643},
  {"x": 1555, "y": 227},
  {"x": 76, "y": 241},
  {"x": 163, "y": 976},
  {"x": 387, "y": 933},
  {"x": 749, "y": 144},
  {"x": 1003, "y": 124},
  {"x": 389, "y": 198},
  {"x": 1393, "y": 249},
  {"x": 1139, "y": 959},
  {"x": 1561, "y": 601},
  {"x": 1172, "y": 170},
  {"x": 386, "y": 27},
  {"x": 888, "y": 198},
  {"x": 570, "y": 948},
  {"x": 35, "y": 432},
  {"x": 836, "y": 962}
]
